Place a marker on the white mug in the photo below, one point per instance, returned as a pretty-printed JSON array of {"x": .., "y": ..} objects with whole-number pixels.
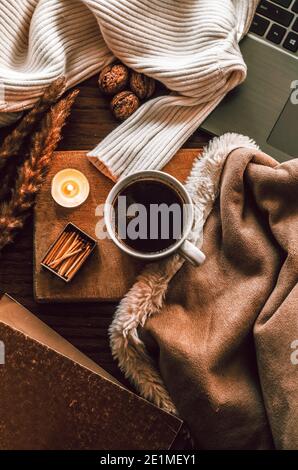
[{"x": 184, "y": 247}]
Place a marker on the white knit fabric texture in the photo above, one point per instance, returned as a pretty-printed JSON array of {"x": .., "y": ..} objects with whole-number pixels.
[{"x": 189, "y": 45}]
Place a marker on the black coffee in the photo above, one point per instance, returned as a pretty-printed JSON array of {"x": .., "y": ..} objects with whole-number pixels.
[{"x": 148, "y": 216}]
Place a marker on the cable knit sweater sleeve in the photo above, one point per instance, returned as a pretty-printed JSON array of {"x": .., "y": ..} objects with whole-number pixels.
[{"x": 191, "y": 46}]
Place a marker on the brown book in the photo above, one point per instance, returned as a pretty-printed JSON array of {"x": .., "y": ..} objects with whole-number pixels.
[
  {"x": 54, "y": 397},
  {"x": 109, "y": 273}
]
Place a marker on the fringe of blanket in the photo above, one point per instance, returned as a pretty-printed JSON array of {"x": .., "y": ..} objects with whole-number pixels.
[{"x": 146, "y": 296}]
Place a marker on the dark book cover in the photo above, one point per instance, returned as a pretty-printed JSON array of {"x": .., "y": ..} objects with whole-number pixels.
[{"x": 54, "y": 397}]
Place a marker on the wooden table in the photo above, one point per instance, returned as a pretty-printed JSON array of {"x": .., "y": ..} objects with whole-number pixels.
[{"x": 84, "y": 325}]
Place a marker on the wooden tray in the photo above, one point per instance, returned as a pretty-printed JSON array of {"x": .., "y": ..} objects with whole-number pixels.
[{"x": 109, "y": 273}]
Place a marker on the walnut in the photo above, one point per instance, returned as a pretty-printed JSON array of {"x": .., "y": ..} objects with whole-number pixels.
[
  {"x": 113, "y": 78},
  {"x": 142, "y": 85},
  {"x": 124, "y": 104}
]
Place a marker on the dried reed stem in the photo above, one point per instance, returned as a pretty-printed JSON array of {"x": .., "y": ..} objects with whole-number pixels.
[{"x": 14, "y": 213}]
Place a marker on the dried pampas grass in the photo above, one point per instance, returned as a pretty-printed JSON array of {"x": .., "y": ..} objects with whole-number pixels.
[
  {"x": 12, "y": 143},
  {"x": 14, "y": 149},
  {"x": 15, "y": 211}
]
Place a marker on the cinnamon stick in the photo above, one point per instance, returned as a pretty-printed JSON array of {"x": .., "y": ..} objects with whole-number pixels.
[
  {"x": 55, "y": 248},
  {"x": 66, "y": 265},
  {"x": 77, "y": 265},
  {"x": 58, "y": 261},
  {"x": 63, "y": 249}
]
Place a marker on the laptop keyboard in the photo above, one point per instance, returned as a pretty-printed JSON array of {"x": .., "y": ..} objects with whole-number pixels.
[{"x": 277, "y": 22}]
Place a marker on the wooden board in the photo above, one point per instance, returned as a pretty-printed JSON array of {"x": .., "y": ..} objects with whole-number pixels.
[{"x": 109, "y": 273}]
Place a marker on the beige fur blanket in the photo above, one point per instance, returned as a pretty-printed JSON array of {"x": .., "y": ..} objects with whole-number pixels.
[{"x": 218, "y": 344}]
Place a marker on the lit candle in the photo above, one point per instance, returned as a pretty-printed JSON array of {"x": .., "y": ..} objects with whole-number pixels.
[{"x": 70, "y": 188}]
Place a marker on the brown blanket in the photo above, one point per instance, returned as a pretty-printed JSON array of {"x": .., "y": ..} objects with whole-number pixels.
[{"x": 224, "y": 336}]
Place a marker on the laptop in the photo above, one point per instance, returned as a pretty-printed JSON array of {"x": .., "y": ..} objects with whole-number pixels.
[{"x": 265, "y": 106}]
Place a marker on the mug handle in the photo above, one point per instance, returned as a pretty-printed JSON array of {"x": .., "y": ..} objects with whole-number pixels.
[{"x": 191, "y": 253}]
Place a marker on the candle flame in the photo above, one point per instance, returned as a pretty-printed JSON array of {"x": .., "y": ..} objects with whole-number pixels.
[{"x": 70, "y": 188}]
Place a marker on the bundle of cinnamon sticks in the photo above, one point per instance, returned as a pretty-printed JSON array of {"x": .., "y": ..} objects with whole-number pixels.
[{"x": 69, "y": 252}]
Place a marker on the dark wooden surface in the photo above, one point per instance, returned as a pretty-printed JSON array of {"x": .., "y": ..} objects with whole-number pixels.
[{"x": 84, "y": 325}]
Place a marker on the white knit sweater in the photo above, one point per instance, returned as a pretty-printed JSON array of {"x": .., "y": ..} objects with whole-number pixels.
[{"x": 189, "y": 45}]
